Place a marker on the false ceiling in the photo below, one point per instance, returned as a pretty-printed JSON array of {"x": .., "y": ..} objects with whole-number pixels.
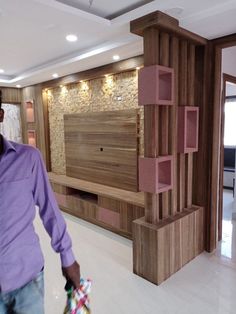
[{"x": 32, "y": 32}]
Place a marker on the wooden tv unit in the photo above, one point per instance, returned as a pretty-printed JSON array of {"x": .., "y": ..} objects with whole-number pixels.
[{"x": 111, "y": 208}]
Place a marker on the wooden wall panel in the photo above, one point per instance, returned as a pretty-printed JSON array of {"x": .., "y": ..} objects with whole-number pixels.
[
  {"x": 102, "y": 147},
  {"x": 35, "y": 93},
  {"x": 11, "y": 95}
]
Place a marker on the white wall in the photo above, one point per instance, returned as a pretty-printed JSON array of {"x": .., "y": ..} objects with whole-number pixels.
[{"x": 229, "y": 61}]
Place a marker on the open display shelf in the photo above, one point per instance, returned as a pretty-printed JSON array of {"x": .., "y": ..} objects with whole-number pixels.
[
  {"x": 156, "y": 85},
  {"x": 155, "y": 174},
  {"x": 31, "y": 134},
  {"x": 30, "y": 118},
  {"x": 188, "y": 121}
]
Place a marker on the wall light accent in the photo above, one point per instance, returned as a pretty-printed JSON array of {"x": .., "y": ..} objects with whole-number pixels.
[
  {"x": 71, "y": 38},
  {"x": 116, "y": 57}
]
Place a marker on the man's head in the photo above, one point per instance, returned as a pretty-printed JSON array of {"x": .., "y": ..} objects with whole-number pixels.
[{"x": 1, "y": 110}]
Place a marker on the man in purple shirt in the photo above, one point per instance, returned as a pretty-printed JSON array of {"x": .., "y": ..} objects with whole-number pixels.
[{"x": 24, "y": 184}]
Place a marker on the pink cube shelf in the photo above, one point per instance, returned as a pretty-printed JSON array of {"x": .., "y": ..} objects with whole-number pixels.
[
  {"x": 156, "y": 85},
  {"x": 30, "y": 111},
  {"x": 31, "y": 137},
  {"x": 188, "y": 124},
  {"x": 156, "y": 174}
]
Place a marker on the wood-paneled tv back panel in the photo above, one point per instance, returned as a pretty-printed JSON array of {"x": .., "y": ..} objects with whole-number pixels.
[{"x": 102, "y": 147}]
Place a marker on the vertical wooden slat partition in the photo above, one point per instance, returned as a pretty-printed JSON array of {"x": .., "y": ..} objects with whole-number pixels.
[{"x": 171, "y": 234}]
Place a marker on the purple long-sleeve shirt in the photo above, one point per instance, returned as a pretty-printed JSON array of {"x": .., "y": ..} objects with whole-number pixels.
[{"x": 24, "y": 184}]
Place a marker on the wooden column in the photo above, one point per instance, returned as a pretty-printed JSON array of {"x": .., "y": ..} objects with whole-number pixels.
[{"x": 171, "y": 234}]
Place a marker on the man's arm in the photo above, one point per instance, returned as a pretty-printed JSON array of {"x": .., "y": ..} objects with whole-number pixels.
[{"x": 53, "y": 220}]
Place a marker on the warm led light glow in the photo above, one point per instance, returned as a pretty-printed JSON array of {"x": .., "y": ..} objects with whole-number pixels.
[
  {"x": 55, "y": 75},
  {"x": 84, "y": 86},
  {"x": 137, "y": 68},
  {"x": 116, "y": 57},
  {"x": 2, "y": 71},
  {"x": 71, "y": 38}
]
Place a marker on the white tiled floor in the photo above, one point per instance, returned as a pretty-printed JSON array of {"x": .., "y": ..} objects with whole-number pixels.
[{"x": 207, "y": 285}]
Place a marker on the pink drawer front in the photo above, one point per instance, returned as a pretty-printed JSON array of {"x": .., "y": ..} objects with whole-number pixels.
[{"x": 109, "y": 217}]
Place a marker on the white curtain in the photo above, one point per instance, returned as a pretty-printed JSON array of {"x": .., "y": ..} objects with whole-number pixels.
[{"x": 11, "y": 126}]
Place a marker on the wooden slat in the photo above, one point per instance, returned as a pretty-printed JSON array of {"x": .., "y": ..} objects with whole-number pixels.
[
  {"x": 151, "y": 114},
  {"x": 191, "y": 102},
  {"x": 164, "y": 121},
  {"x": 102, "y": 147},
  {"x": 174, "y": 62},
  {"x": 183, "y": 70}
]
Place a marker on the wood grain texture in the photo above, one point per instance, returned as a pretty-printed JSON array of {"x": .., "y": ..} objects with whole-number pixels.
[
  {"x": 183, "y": 79},
  {"x": 11, "y": 95},
  {"x": 129, "y": 197},
  {"x": 164, "y": 23},
  {"x": 111, "y": 214},
  {"x": 164, "y": 126},
  {"x": 151, "y": 122},
  {"x": 174, "y": 63},
  {"x": 102, "y": 147},
  {"x": 161, "y": 250},
  {"x": 191, "y": 102},
  {"x": 35, "y": 93}
]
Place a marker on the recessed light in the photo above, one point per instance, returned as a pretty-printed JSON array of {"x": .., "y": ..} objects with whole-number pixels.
[
  {"x": 71, "y": 38},
  {"x": 116, "y": 57},
  {"x": 18, "y": 86},
  {"x": 55, "y": 75},
  {"x": 137, "y": 68},
  {"x": 2, "y": 71}
]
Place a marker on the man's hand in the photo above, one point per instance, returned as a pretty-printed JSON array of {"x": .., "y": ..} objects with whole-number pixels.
[{"x": 72, "y": 273}]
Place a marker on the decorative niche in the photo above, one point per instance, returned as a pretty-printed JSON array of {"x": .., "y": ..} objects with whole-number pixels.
[
  {"x": 156, "y": 174},
  {"x": 188, "y": 125},
  {"x": 31, "y": 135},
  {"x": 156, "y": 85},
  {"x": 30, "y": 116}
]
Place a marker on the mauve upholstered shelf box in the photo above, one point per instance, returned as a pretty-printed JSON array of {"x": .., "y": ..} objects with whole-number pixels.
[
  {"x": 156, "y": 85},
  {"x": 31, "y": 134},
  {"x": 155, "y": 174},
  {"x": 188, "y": 123},
  {"x": 30, "y": 111}
]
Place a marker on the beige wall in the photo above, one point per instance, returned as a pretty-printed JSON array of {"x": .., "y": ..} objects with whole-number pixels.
[{"x": 95, "y": 95}]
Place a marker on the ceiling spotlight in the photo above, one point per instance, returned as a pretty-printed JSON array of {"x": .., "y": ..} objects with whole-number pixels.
[
  {"x": 18, "y": 86},
  {"x": 116, "y": 57},
  {"x": 71, "y": 38},
  {"x": 55, "y": 75},
  {"x": 2, "y": 71},
  {"x": 137, "y": 68}
]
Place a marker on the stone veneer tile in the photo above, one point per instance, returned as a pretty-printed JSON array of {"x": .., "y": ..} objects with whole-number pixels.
[{"x": 100, "y": 94}]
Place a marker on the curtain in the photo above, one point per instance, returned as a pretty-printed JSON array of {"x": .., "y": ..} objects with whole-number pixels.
[{"x": 11, "y": 126}]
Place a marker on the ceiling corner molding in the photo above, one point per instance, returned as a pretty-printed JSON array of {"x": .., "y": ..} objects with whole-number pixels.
[{"x": 75, "y": 11}]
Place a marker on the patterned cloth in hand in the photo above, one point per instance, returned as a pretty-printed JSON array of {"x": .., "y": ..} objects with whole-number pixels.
[{"x": 77, "y": 299}]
